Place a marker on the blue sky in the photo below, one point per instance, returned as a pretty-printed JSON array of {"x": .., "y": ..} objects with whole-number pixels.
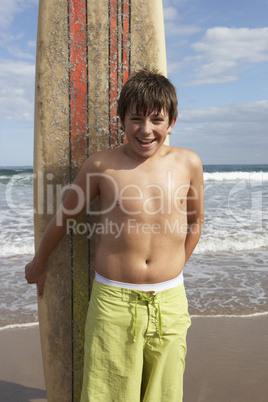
[{"x": 217, "y": 54}]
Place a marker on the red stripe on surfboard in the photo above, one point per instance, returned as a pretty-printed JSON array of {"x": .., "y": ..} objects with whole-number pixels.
[
  {"x": 113, "y": 63},
  {"x": 78, "y": 80},
  {"x": 126, "y": 39},
  {"x": 126, "y": 10}
]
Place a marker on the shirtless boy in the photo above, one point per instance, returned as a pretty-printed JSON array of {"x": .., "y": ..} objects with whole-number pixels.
[{"x": 135, "y": 337}]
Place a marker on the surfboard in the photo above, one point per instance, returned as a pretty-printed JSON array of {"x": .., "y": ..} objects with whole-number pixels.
[{"x": 85, "y": 53}]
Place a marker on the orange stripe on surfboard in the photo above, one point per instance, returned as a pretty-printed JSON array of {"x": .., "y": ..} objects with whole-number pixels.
[
  {"x": 113, "y": 72},
  {"x": 126, "y": 39}
]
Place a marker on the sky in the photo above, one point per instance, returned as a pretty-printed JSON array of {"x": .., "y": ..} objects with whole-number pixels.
[{"x": 217, "y": 57}]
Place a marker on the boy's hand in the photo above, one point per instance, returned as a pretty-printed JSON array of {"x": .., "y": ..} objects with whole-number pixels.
[{"x": 36, "y": 273}]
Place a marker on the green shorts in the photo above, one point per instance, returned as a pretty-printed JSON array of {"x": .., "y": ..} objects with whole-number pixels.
[{"x": 135, "y": 345}]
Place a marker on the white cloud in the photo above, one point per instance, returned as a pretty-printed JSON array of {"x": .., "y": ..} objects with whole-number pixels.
[
  {"x": 234, "y": 44},
  {"x": 229, "y": 142},
  {"x": 16, "y": 90},
  {"x": 223, "y": 50},
  {"x": 244, "y": 112},
  {"x": 230, "y": 134},
  {"x": 31, "y": 44},
  {"x": 170, "y": 13},
  {"x": 169, "y": 3},
  {"x": 212, "y": 80},
  {"x": 15, "y": 44},
  {"x": 234, "y": 133},
  {"x": 9, "y": 8},
  {"x": 18, "y": 53},
  {"x": 175, "y": 29}
]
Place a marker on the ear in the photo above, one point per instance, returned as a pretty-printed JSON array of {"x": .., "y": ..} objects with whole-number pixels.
[
  {"x": 121, "y": 124},
  {"x": 170, "y": 128}
]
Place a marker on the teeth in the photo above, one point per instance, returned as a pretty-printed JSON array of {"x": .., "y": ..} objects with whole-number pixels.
[{"x": 146, "y": 141}]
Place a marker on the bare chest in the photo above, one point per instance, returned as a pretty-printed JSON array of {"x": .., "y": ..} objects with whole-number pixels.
[{"x": 144, "y": 193}]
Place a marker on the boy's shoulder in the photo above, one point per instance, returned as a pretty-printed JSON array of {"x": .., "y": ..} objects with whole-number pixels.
[
  {"x": 185, "y": 156},
  {"x": 187, "y": 162},
  {"x": 114, "y": 158},
  {"x": 105, "y": 153},
  {"x": 100, "y": 160}
]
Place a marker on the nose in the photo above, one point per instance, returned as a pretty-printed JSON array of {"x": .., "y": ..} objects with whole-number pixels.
[{"x": 147, "y": 127}]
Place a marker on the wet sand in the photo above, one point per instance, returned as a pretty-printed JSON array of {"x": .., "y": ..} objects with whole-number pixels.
[
  {"x": 21, "y": 371},
  {"x": 227, "y": 361}
]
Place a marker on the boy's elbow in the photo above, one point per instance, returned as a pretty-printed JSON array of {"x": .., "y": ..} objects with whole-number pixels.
[{"x": 195, "y": 224}]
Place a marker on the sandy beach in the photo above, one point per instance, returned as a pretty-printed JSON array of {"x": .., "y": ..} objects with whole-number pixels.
[{"x": 227, "y": 361}]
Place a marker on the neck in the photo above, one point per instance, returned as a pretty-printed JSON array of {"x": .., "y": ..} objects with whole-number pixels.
[{"x": 143, "y": 159}]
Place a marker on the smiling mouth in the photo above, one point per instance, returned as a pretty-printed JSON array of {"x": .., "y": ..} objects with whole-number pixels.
[{"x": 145, "y": 142}]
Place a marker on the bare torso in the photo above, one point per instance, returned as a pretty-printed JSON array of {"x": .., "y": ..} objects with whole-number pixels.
[
  {"x": 151, "y": 203},
  {"x": 144, "y": 227}
]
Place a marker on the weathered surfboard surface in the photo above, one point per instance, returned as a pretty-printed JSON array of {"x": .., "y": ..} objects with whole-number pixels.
[{"x": 86, "y": 50}]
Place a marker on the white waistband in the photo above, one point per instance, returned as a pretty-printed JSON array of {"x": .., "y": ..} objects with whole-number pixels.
[{"x": 155, "y": 287}]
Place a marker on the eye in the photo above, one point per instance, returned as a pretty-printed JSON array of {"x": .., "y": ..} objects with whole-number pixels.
[
  {"x": 158, "y": 117},
  {"x": 135, "y": 118}
]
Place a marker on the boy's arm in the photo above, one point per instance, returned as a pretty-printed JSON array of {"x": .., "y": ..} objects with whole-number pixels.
[
  {"x": 73, "y": 204},
  {"x": 195, "y": 207}
]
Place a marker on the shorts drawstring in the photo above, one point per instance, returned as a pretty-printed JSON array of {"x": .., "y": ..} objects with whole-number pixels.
[
  {"x": 160, "y": 323},
  {"x": 150, "y": 299},
  {"x": 135, "y": 320}
]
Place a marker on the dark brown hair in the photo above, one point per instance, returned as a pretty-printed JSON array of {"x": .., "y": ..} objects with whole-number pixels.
[{"x": 146, "y": 92}]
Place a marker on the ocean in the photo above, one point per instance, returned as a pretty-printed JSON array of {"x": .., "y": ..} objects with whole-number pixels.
[{"x": 225, "y": 276}]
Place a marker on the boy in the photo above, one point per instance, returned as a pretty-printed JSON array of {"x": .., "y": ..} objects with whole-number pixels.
[{"x": 152, "y": 196}]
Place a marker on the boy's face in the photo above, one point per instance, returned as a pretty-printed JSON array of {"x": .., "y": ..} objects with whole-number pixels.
[{"x": 146, "y": 133}]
